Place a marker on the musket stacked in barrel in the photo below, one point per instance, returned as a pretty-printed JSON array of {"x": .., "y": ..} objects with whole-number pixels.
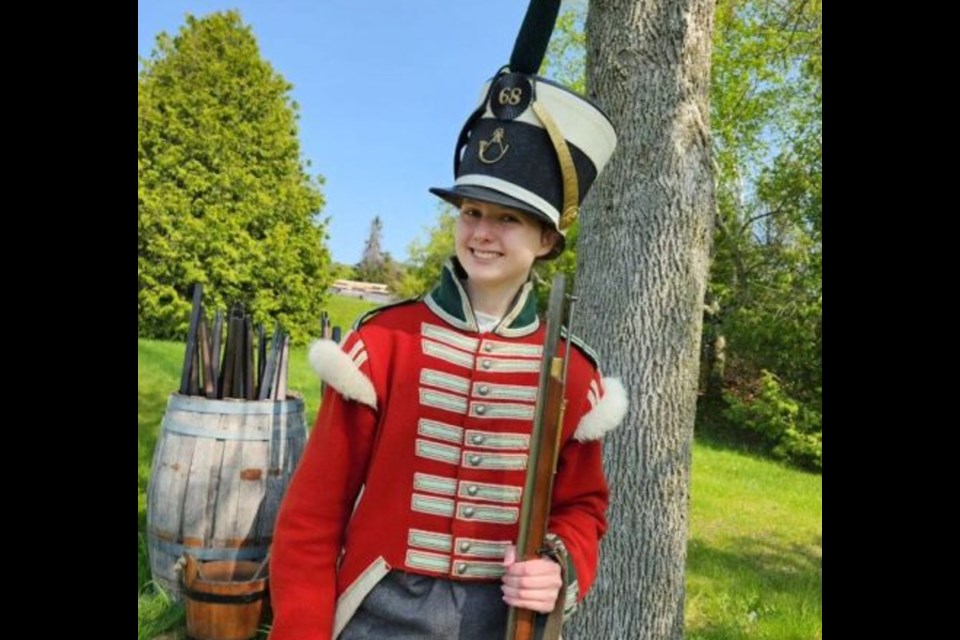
[
  {"x": 239, "y": 374},
  {"x": 326, "y": 331}
]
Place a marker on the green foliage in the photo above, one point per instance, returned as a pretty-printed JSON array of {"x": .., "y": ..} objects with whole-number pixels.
[
  {"x": 793, "y": 430},
  {"x": 565, "y": 61},
  {"x": 223, "y": 197},
  {"x": 340, "y": 271},
  {"x": 765, "y": 295},
  {"x": 427, "y": 258}
]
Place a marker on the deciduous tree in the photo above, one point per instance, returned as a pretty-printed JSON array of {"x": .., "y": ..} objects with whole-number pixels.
[{"x": 643, "y": 258}]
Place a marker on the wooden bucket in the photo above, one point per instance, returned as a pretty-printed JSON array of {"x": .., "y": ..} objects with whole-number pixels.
[
  {"x": 224, "y": 598},
  {"x": 219, "y": 471}
]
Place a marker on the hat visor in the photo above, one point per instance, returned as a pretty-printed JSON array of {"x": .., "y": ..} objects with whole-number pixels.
[{"x": 457, "y": 193}]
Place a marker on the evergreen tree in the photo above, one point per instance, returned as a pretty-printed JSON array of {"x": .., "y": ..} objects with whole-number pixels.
[
  {"x": 223, "y": 196},
  {"x": 371, "y": 267}
]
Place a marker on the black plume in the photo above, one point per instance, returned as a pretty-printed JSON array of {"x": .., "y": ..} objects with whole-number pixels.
[{"x": 531, "y": 44}]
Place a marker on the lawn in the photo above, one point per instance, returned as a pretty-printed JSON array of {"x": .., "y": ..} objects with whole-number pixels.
[{"x": 755, "y": 555}]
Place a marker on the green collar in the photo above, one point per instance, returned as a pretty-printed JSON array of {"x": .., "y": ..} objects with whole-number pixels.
[{"x": 450, "y": 302}]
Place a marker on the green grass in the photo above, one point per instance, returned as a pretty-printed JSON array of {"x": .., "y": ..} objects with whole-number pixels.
[
  {"x": 754, "y": 560},
  {"x": 344, "y": 310},
  {"x": 755, "y": 555}
]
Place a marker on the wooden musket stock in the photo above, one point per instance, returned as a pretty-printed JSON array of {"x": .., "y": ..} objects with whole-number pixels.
[{"x": 544, "y": 447}]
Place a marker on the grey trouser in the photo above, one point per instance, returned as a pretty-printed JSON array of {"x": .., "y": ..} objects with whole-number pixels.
[{"x": 407, "y": 606}]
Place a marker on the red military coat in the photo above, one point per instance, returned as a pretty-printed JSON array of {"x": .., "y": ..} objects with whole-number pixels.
[{"x": 418, "y": 456}]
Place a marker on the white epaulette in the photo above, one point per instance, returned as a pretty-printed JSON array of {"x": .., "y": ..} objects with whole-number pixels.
[
  {"x": 606, "y": 414},
  {"x": 338, "y": 370}
]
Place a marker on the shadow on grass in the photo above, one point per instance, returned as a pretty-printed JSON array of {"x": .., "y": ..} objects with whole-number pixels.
[
  {"x": 778, "y": 566},
  {"x": 771, "y": 585}
]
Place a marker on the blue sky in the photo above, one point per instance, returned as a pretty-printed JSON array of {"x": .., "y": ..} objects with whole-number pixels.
[{"x": 383, "y": 89}]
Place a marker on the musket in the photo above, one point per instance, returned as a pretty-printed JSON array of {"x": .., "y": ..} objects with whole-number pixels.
[
  {"x": 215, "y": 353},
  {"x": 206, "y": 362},
  {"x": 236, "y": 325},
  {"x": 332, "y": 334},
  {"x": 526, "y": 57},
  {"x": 544, "y": 448},
  {"x": 269, "y": 370},
  {"x": 261, "y": 359},
  {"x": 248, "y": 363},
  {"x": 325, "y": 325},
  {"x": 280, "y": 385},
  {"x": 190, "y": 354},
  {"x": 232, "y": 370}
]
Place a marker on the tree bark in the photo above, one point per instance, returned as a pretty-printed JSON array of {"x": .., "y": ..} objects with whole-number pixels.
[{"x": 643, "y": 263}]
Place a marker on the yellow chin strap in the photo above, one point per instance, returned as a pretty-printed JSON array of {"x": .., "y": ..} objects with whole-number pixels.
[{"x": 571, "y": 188}]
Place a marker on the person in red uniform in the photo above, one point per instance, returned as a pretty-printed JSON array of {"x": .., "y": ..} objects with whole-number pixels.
[{"x": 401, "y": 517}]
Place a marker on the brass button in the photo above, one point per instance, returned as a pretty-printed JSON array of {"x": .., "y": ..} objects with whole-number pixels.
[
  {"x": 486, "y": 364},
  {"x": 468, "y": 512},
  {"x": 462, "y": 568},
  {"x": 477, "y": 438},
  {"x": 473, "y": 489},
  {"x": 475, "y": 459},
  {"x": 464, "y": 546},
  {"x": 483, "y": 389},
  {"x": 481, "y": 409}
]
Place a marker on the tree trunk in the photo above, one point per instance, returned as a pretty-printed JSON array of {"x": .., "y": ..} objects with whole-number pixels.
[{"x": 643, "y": 258}]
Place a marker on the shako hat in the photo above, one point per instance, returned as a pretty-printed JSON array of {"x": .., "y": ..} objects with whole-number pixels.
[{"x": 531, "y": 144}]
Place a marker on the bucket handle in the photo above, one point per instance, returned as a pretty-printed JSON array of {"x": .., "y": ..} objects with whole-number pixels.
[
  {"x": 190, "y": 569},
  {"x": 218, "y": 598},
  {"x": 263, "y": 566}
]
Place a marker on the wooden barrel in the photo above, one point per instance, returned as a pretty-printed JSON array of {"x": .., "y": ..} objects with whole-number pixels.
[{"x": 219, "y": 471}]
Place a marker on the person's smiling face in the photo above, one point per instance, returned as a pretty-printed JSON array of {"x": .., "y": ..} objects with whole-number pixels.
[{"x": 497, "y": 245}]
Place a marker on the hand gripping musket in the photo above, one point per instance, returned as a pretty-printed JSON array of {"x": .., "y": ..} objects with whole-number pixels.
[{"x": 544, "y": 448}]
